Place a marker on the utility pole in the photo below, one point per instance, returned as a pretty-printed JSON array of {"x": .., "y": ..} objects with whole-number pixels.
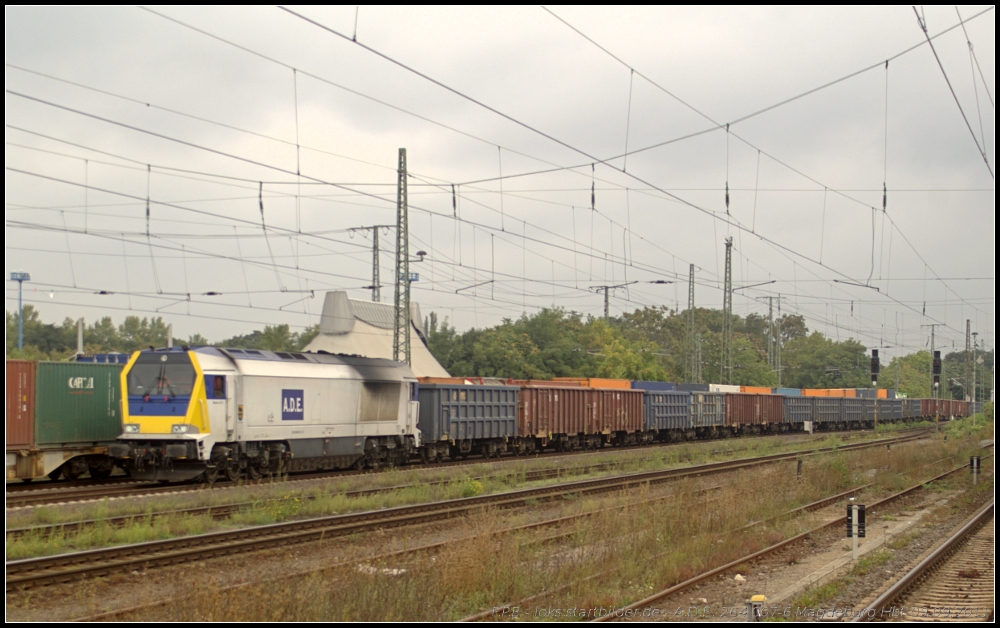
[
  {"x": 770, "y": 332},
  {"x": 975, "y": 365},
  {"x": 376, "y": 286},
  {"x": 777, "y": 343},
  {"x": 697, "y": 358},
  {"x": 966, "y": 378},
  {"x": 727, "y": 317},
  {"x": 607, "y": 289},
  {"x": 691, "y": 363},
  {"x": 401, "y": 324},
  {"x": 20, "y": 278}
]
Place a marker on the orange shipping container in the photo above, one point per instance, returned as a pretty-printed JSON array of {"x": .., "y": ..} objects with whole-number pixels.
[
  {"x": 815, "y": 392},
  {"x": 596, "y": 382},
  {"x": 755, "y": 390},
  {"x": 882, "y": 393},
  {"x": 441, "y": 380}
]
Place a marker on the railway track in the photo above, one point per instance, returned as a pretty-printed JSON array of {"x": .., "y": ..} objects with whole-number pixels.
[
  {"x": 225, "y": 511},
  {"x": 27, "y": 495},
  {"x": 27, "y": 573},
  {"x": 955, "y": 582},
  {"x": 681, "y": 586},
  {"x": 24, "y": 494}
]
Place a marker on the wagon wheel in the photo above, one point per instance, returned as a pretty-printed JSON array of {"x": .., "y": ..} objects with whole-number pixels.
[
  {"x": 55, "y": 475},
  {"x": 70, "y": 473},
  {"x": 101, "y": 471},
  {"x": 253, "y": 472},
  {"x": 439, "y": 456},
  {"x": 425, "y": 457}
]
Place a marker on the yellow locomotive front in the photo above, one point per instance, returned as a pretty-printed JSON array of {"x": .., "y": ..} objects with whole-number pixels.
[{"x": 165, "y": 427}]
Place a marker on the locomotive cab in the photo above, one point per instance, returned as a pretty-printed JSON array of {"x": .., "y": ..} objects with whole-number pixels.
[{"x": 167, "y": 420}]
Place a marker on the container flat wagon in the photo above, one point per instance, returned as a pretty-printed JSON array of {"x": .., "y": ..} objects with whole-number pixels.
[{"x": 65, "y": 415}]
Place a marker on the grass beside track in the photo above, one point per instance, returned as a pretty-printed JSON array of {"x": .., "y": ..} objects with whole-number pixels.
[{"x": 282, "y": 501}]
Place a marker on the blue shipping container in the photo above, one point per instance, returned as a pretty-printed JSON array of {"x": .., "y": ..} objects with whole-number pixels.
[
  {"x": 667, "y": 410},
  {"x": 799, "y": 409},
  {"x": 788, "y": 392},
  {"x": 659, "y": 386},
  {"x": 693, "y": 387},
  {"x": 707, "y": 409},
  {"x": 455, "y": 412}
]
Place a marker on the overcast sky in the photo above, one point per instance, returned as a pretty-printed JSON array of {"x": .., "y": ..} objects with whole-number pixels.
[{"x": 199, "y": 110}]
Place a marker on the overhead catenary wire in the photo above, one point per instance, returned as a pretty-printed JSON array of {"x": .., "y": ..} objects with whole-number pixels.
[
  {"x": 729, "y": 222},
  {"x": 890, "y": 236},
  {"x": 982, "y": 151}
]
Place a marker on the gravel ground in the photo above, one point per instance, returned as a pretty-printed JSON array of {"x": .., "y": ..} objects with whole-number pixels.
[{"x": 928, "y": 517}]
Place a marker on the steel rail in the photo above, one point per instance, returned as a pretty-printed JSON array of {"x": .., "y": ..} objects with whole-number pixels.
[
  {"x": 931, "y": 563},
  {"x": 45, "y": 493},
  {"x": 224, "y": 511},
  {"x": 68, "y": 567},
  {"x": 619, "y": 613}
]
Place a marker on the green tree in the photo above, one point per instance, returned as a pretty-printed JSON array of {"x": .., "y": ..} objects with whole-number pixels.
[
  {"x": 505, "y": 352},
  {"x": 814, "y": 361},
  {"x": 911, "y": 371}
]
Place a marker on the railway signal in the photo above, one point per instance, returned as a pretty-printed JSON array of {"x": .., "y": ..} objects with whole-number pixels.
[
  {"x": 936, "y": 369},
  {"x": 875, "y": 368}
]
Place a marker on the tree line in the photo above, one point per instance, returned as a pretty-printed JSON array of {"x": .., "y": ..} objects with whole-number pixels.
[
  {"x": 647, "y": 344},
  {"x": 49, "y": 341}
]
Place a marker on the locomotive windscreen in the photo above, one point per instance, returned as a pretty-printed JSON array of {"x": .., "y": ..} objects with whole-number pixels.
[
  {"x": 162, "y": 374},
  {"x": 380, "y": 401}
]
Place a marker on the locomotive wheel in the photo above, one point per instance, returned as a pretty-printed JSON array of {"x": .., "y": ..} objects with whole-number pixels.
[
  {"x": 253, "y": 473},
  {"x": 233, "y": 472},
  {"x": 210, "y": 475}
]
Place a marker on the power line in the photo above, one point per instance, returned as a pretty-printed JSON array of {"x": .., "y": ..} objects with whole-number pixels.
[{"x": 923, "y": 27}]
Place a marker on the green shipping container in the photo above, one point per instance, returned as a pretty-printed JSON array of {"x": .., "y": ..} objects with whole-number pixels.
[{"x": 77, "y": 403}]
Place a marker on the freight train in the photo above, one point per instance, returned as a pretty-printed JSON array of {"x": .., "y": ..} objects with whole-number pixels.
[{"x": 180, "y": 413}]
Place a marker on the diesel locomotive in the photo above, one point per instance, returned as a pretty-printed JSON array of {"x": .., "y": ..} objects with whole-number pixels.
[{"x": 210, "y": 411}]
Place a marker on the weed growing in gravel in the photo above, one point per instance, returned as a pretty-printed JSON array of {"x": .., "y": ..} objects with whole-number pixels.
[
  {"x": 814, "y": 597},
  {"x": 874, "y": 559}
]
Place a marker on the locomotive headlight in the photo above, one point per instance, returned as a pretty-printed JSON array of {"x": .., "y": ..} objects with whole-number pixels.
[
  {"x": 131, "y": 428},
  {"x": 183, "y": 428}
]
